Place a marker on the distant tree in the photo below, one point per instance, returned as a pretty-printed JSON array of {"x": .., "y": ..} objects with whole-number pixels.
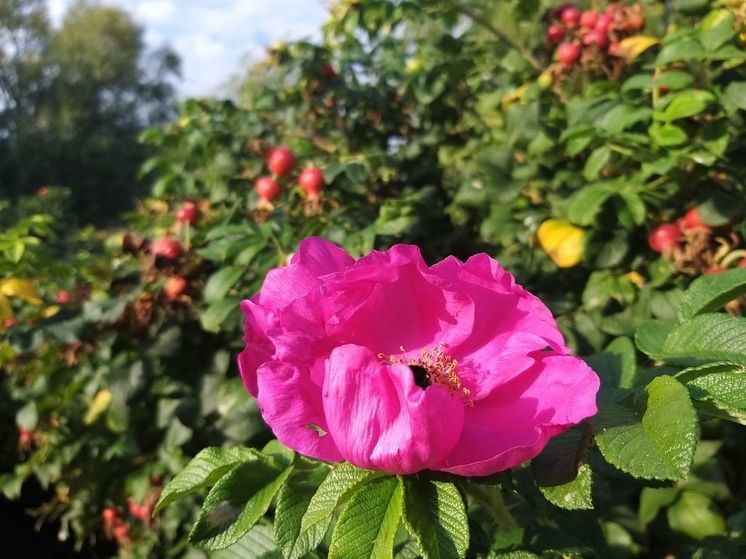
[{"x": 76, "y": 100}]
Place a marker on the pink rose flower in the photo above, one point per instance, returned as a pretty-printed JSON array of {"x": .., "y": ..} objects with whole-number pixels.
[{"x": 398, "y": 366}]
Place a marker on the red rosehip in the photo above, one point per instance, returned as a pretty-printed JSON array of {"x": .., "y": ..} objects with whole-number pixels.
[
  {"x": 10, "y": 322},
  {"x": 588, "y": 19},
  {"x": 109, "y": 516},
  {"x": 25, "y": 438},
  {"x": 187, "y": 213},
  {"x": 167, "y": 248},
  {"x": 555, "y": 33},
  {"x": 615, "y": 49},
  {"x": 121, "y": 532},
  {"x": 595, "y": 38},
  {"x": 742, "y": 263},
  {"x": 691, "y": 220},
  {"x": 664, "y": 237},
  {"x": 280, "y": 161},
  {"x": 42, "y": 192},
  {"x": 62, "y": 297},
  {"x": 568, "y": 53},
  {"x": 267, "y": 188},
  {"x": 311, "y": 180},
  {"x": 603, "y": 23},
  {"x": 328, "y": 71},
  {"x": 714, "y": 269},
  {"x": 570, "y": 16},
  {"x": 174, "y": 287},
  {"x": 138, "y": 510},
  {"x": 635, "y": 22}
]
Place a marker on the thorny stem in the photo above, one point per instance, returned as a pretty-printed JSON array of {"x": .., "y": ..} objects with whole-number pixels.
[{"x": 492, "y": 499}]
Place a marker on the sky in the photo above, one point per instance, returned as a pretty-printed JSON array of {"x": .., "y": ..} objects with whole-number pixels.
[{"x": 214, "y": 37}]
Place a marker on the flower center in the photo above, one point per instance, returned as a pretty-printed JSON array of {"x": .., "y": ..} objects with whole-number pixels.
[{"x": 432, "y": 366}]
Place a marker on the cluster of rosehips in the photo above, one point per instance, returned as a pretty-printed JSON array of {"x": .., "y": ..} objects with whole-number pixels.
[
  {"x": 688, "y": 240},
  {"x": 169, "y": 249},
  {"x": 591, "y": 32},
  {"x": 281, "y": 162},
  {"x": 117, "y": 527}
]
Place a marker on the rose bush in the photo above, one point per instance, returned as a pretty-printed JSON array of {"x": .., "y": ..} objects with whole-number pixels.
[
  {"x": 448, "y": 125},
  {"x": 396, "y": 366}
]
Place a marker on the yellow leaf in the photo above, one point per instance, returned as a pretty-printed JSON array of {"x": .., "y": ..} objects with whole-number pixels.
[
  {"x": 632, "y": 47},
  {"x": 100, "y": 404},
  {"x": 50, "y": 311},
  {"x": 515, "y": 95},
  {"x": 6, "y": 310},
  {"x": 636, "y": 279},
  {"x": 545, "y": 80},
  {"x": 562, "y": 241},
  {"x": 21, "y": 288}
]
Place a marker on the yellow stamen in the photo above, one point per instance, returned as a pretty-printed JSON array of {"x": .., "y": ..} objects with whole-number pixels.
[{"x": 440, "y": 367}]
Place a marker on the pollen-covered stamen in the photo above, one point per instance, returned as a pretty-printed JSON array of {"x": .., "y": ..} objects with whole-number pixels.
[{"x": 432, "y": 366}]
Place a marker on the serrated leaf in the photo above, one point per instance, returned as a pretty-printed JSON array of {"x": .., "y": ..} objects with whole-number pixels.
[
  {"x": 368, "y": 524},
  {"x": 687, "y": 103},
  {"x": 204, "y": 470},
  {"x": 707, "y": 337},
  {"x": 653, "y": 499},
  {"x": 220, "y": 282},
  {"x": 718, "y": 389},
  {"x": 435, "y": 515},
  {"x": 587, "y": 202},
  {"x": 212, "y": 317},
  {"x": 693, "y": 515},
  {"x": 653, "y": 437},
  {"x": 236, "y": 502},
  {"x": 651, "y": 336},
  {"x": 573, "y": 495},
  {"x": 257, "y": 543},
  {"x": 292, "y": 504},
  {"x": 595, "y": 162},
  {"x": 709, "y": 293},
  {"x": 335, "y": 487}
]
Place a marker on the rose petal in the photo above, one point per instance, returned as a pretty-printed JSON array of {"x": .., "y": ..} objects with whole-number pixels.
[
  {"x": 514, "y": 423},
  {"x": 381, "y": 420},
  {"x": 291, "y": 405}
]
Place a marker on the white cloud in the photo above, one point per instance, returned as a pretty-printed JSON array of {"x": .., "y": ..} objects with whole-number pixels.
[{"x": 214, "y": 36}]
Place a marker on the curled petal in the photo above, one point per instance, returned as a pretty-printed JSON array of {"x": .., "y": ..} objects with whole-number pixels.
[
  {"x": 291, "y": 405},
  {"x": 514, "y": 423},
  {"x": 381, "y": 420}
]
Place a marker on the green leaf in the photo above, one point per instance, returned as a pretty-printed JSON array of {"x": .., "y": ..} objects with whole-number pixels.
[
  {"x": 634, "y": 205},
  {"x": 735, "y": 93},
  {"x": 435, "y": 515},
  {"x": 684, "y": 48},
  {"x": 595, "y": 162},
  {"x": 707, "y": 337},
  {"x": 586, "y": 202},
  {"x": 220, "y": 282},
  {"x": 368, "y": 524},
  {"x": 710, "y": 292},
  {"x": 716, "y": 29},
  {"x": 213, "y": 317},
  {"x": 337, "y": 485},
  {"x": 257, "y": 543},
  {"x": 667, "y": 134},
  {"x": 204, "y": 470},
  {"x": 718, "y": 389},
  {"x": 653, "y": 499},
  {"x": 651, "y": 335},
  {"x": 237, "y": 502},
  {"x": 687, "y": 103},
  {"x": 653, "y": 437},
  {"x": 573, "y": 495},
  {"x": 292, "y": 504},
  {"x": 616, "y": 364},
  {"x": 692, "y": 514}
]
